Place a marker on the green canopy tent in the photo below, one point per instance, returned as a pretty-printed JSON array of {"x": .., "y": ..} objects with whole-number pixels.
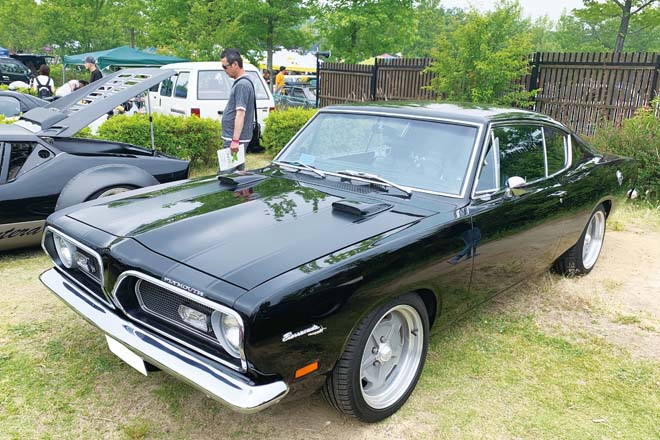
[{"x": 122, "y": 56}]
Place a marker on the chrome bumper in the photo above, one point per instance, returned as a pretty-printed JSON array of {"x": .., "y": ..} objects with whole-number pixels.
[{"x": 213, "y": 380}]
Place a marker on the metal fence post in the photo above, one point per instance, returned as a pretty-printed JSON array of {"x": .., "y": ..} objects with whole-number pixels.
[{"x": 374, "y": 79}]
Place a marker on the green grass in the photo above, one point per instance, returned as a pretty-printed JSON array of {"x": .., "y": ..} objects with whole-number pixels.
[
  {"x": 494, "y": 375},
  {"x": 252, "y": 161}
]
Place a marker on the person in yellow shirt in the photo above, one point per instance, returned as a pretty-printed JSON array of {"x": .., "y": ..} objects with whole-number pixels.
[{"x": 279, "y": 79}]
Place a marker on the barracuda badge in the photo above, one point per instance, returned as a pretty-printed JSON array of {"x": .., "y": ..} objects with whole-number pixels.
[
  {"x": 183, "y": 286},
  {"x": 309, "y": 331}
]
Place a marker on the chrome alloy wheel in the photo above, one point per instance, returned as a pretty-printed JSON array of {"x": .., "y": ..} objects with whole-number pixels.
[
  {"x": 113, "y": 191},
  {"x": 593, "y": 239},
  {"x": 391, "y": 356}
]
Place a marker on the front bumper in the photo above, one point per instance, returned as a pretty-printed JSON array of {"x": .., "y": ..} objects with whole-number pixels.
[{"x": 211, "y": 378}]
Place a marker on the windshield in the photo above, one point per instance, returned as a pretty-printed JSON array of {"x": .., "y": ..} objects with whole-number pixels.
[{"x": 426, "y": 155}]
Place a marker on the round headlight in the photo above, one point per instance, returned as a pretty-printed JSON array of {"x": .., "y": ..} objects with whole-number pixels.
[
  {"x": 228, "y": 331},
  {"x": 65, "y": 251}
]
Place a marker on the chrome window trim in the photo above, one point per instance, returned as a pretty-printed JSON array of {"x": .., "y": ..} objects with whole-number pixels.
[
  {"x": 468, "y": 172},
  {"x": 87, "y": 249},
  {"x": 132, "y": 273},
  {"x": 568, "y": 152}
]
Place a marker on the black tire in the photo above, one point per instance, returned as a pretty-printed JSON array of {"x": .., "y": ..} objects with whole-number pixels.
[
  {"x": 572, "y": 263},
  {"x": 343, "y": 388}
]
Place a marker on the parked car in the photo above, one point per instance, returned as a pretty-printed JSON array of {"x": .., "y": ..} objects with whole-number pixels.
[
  {"x": 295, "y": 96},
  {"x": 12, "y": 104},
  {"x": 327, "y": 268},
  {"x": 32, "y": 61},
  {"x": 13, "y": 70},
  {"x": 44, "y": 168},
  {"x": 202, "y": 89}
]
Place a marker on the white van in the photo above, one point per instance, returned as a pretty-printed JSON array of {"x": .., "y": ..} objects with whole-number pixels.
[{"x": 202, "y": 89}]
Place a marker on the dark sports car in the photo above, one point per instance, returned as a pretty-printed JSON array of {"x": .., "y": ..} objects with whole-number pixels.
[
  {"x": 327, "y": 268},
  {"x": 14, "y": 103},
  {"x": 44, "y": 168}
]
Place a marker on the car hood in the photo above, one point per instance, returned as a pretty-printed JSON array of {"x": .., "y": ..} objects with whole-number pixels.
[
  {"x": 243, "y": 235},
  {"x": 66, "y": 116}
]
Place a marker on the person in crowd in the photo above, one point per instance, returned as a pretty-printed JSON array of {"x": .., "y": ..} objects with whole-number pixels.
[
  {"x": 239, "y": 115},
  {"x": 266, "y": 75},
  {"x": 94, "y": 72},
  {"x": 70, "y": 87},
  {"x": 43, "y": 84},
  {"x": 279, "y": 79}
]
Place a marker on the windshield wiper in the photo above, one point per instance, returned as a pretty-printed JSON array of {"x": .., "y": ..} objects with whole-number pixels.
[
  {"x": 299, "y": 165},
  {"x": 374, "y": 178}
]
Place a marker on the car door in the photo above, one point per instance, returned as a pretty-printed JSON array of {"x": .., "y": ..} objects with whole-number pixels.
[
  {"x": 179, "y": 101},
  {"x": 163, "y": 100},
  {"x": 516, "y": 230},
  {"x": 24, "y": 206}
]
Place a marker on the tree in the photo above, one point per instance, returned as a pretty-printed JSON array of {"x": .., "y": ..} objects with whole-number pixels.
[
  {"x": 358, "y": 29},
  {"x": 642, "y": 15},
  {"x": 431, "y": 21},
  {"x": 484, "y": 59},
  {"x": 18, "y": 30}
]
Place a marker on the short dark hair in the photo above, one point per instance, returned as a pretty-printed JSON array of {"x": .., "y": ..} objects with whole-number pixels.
[
  {"x": 282, "y": 68},
  {"x": 44, "y": 70},
  {"x": 232, "y": 56},
  {"x": 83, "y": 82}
]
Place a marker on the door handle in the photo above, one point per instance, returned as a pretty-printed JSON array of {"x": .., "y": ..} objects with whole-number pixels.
[
  {"x": 174, "y": 110},
  {"x": 219, "y": 112}
]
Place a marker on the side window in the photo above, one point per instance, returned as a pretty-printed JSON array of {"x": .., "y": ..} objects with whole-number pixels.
[
  {"x": 9, "y": 106},
  {"x": 488, "y": 172},
  {"x": 181, "y": 89},
  {"x": 521, "y": 152},
  {"x": 18, "y": 155},
  {"x": 259, "y": 87},
  {"x": 166, "y": 87},
  {"x": 556, "y": 147}
]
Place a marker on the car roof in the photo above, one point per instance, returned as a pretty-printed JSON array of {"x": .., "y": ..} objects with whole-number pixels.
[
  {"x": 467, "y": 112},
  {"x": 204, "y": 65}
]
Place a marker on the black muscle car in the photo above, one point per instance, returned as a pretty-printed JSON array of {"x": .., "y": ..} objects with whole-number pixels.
[
  {"x": 44, "y": 168},
  {"x": 327, "y": 268}
]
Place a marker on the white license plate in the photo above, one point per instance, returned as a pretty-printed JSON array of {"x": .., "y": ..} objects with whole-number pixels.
[{"x": 126, "y": 355}]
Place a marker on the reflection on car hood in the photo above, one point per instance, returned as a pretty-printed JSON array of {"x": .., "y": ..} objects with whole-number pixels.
[{"x": 243, "y": 236}]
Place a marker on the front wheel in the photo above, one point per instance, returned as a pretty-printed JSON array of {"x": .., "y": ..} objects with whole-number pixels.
[
  {"x": 382, "y": 362},
  {"x": 582, "y": 257}
]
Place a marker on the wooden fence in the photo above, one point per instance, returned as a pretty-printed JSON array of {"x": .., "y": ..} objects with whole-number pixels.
[{"x": 578, "y": 89}]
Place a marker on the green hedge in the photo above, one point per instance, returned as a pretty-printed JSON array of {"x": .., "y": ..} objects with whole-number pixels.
[
  {"x": 20, "y": 90},
  {"x": 189, "y": 137},
  {"x": 282, "y": 125},
  {"x": 638, "y": 137}
]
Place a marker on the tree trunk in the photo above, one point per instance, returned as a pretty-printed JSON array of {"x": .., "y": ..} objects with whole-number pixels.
[
  {"x": 269, "y": 50},
  {"x": 623, "y": 27},
  {"x": 132, "y": 31}
]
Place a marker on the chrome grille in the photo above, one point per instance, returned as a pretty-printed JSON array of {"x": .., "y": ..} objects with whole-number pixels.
[{"x": 165, "y": 304}]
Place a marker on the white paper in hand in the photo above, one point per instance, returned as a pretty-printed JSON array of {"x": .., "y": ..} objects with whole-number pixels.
[{"x": 228, "y": 161}]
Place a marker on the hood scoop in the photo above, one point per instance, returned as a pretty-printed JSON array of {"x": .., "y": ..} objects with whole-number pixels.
[
  {"x": 360, "y": 209},
  {"x": 235, "y": 180}
]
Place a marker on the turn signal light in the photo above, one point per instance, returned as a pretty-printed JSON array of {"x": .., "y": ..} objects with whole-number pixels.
[
  {"x": 304, "y": 371},
  {"x": 195, "y": 112},
  {"x": 271, "y": 109}
]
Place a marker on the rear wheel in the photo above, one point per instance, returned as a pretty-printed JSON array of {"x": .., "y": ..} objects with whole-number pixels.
[
  {"x": 582, "y": 257},
  {"x": 382, "y": 361}
]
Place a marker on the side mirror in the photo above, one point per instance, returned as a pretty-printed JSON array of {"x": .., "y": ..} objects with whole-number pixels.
[{"x": 511, "y": 184}]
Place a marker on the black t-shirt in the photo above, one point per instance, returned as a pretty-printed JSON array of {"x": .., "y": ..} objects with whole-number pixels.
[{"x": 95, "y": 75}]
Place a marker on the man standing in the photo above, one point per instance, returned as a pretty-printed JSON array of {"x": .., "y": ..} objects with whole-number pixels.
[
  {"x": 94, "y": 72},
  {"x": 279, "y": 79},
  {"x": 239, "y": 115}
]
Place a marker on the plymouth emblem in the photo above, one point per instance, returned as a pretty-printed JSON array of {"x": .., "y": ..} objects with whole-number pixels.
[{"x": 183, "y": 286}]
